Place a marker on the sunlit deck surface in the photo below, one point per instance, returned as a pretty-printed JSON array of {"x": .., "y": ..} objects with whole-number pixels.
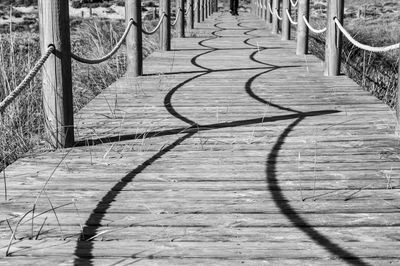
[{"x": 229, "y": 150}]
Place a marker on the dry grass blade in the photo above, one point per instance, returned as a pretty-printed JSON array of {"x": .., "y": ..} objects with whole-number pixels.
[
  {"x": 46, "y": 211},
  {"x": 79, "y": 217},
  {"x": 40, "y": 230},
  {"x": 15, "y": 231},
  {"x": 55, "y": 214},
  {"x": 5, "y": 185},
  {"x": 349, "y": 197},
  {"x": 9, "y": 226},
  {"x": 45, "y": 185}
]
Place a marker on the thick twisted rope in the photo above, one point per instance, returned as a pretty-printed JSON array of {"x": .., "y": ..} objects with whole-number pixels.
[
  {"x": 156, "y": 27},
  {"x": 277, "y": 15},
  {"x": 270, "y": 8},
  {"x": 364, "y": 46},
  {"x": 177, "y": 17},
  {"x": 311, "y": 28},
  {"x": 28, "y": 78},
  {"x": 290, "y": 18},
  {"x": 110, "y": 54},
  {"x": 294, "y": 4}
]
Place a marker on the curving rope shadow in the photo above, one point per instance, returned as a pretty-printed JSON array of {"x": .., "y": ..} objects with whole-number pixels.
[
  {"x": 273, "y": 183},
  {"x": 84, "y": 247}
]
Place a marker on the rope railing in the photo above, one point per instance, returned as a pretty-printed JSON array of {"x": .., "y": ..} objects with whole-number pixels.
[
  {"x": 264, "y": 6},
  {"x": 60, "y": 123},
  {"x": 277, "y": 15},
  {"x": 364, "y": 46},
  {"x": 28, "y": 78},
  {"x": 317, "y": 31},
  {"x": 294, "y": 4},
  {"x": 110, "y": 54},
  {"x": 270, "y": 9},
  {"x": 156, "y": 27},
  {"x": 177, "y": 17},
  {"x": 290, "y": 18}
]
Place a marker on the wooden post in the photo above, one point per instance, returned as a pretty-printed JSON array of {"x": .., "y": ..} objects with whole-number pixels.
[
  {"x": 205, "y": 9},
  {"x": 275, "y": 26},
  {"x": 198, "y": 12},
  {"x": 262, "y": 10},
  {"x": 56, "y": 74},
  {"x": 154, "y": 12},
  {"x": 285, "y": 22},
  {"x": 268, "y": 17},
  {"x": 191, "y": 15},
  {"x": 202, "y": 10},
  {"x": 134, "y": 38},
  {"x": 210, "y": 7},
  {"x": 398, "y": 99},
  {"x": 333, "y": 44},
  {"x": 181, "y": 19},
  {"x": 302, "y": 29},
  {"x": 165, "y": 7},
  {"x": 216, "y": 5}
]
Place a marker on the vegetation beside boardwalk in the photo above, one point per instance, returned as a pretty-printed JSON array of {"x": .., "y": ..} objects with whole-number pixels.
[
  {"x": 22, "y": 125},
  {"x": 374, "y": 23}
]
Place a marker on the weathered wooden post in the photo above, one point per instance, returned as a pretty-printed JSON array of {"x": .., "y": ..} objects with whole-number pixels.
[
  {"x": 302, "y": 29},
  {"x": 180, "y": 11},
  {"x": 165, "y": 8},
  {"x": 398, "y": 99},
  {"x": 198, "y": 11},
  {"x": 333, "y": 44},
  {"x": 275, "y": 26},
  {"x": 215, "y": 5},
  {"x": 134, "y": 38},
  {"x": 205, "y": 9},
  {"x": 263, "y": 9},
  {"x": 190, "y": 15},
  {"x": 56, "y": 74},
  {"x": 285, "y": 22},
  {"x": 268, "y": 17},
  {"x": 202, "y": 10}
]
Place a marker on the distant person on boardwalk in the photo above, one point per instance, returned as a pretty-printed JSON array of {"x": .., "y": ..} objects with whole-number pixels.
[{"x": 234, "y": 7}]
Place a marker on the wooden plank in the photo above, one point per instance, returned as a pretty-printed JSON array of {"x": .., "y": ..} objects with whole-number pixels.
[{"x": 200, "y": 162}]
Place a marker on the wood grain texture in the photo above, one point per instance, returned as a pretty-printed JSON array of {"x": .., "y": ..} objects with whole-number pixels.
[
  {"x": 56, "y": 75},
  {"x": 229, "y": 150}
]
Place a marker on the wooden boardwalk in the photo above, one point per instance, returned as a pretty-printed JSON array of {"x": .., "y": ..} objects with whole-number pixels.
[{"x": 230, "y": 150}]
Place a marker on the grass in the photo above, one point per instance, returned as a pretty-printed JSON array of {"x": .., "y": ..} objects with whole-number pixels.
[
  {"x": 22, "y": 125},
  {"x": 377, "y": 25}
]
